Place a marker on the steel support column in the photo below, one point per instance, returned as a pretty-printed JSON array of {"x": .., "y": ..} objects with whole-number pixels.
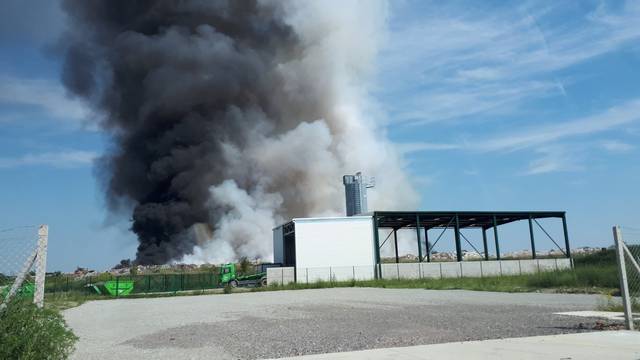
[
  {"x": 533, "y": 241},
  {"x": 495, "y": 236},
  {"x": 566, "y": 235},
  {"x": 376, "y": 239},
  {"x": 426, "y": 242},
  {"x": 457, "y": 233},
  {"x": 484, "y": 243},
  {"x": 418, "y": 238},
  {"x": 395, "y": 245}
]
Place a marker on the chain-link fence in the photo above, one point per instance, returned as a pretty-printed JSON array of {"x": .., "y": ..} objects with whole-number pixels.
[
  {"x": 22, "y": 263},
  {"x": 627, "y": 241},
  {"x": 121, "y": 285}
]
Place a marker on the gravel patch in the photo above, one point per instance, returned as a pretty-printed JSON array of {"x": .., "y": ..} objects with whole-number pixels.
[{"x": 289, "y": 323}]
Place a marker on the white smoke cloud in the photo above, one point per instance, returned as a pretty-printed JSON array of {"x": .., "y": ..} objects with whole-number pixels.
[
  {"x": 299, "y": 172},
  {"x": 250, "y": 216}
]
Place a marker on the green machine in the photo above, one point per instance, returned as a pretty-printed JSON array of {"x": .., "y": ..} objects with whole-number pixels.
[{"x": 229, "y": 275}]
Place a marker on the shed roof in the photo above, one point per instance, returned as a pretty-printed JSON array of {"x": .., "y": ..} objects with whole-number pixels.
[{"x": 466, "y": 219}]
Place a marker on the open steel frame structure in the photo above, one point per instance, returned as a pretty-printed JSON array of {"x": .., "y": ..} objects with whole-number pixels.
[{"x": 485, "y": 220}]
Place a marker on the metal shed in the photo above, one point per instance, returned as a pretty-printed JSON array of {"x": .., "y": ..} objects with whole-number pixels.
[{"x": 355, "y": 240}]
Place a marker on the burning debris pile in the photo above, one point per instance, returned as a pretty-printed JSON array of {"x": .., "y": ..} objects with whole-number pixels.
[{"x": 227, "y": 116}]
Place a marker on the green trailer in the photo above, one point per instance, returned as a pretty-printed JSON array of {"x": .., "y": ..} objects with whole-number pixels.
[{"x": 114, "y": 287}]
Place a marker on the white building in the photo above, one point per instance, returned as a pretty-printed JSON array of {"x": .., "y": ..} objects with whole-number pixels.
[
  {"x": 345, "y": 248},
  {"x": 341, "y": 246}
]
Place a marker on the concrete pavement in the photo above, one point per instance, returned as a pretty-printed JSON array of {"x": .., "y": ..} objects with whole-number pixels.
[
  {"x": 595, "y": 345},
  {"x": 304, "y": 322}
]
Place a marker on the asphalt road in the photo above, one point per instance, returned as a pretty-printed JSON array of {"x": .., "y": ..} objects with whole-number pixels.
[{"x": 289, "y": 323}]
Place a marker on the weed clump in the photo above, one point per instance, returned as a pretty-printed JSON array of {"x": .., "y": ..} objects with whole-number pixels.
[
  {"x": 228, "y": 289},
  {"x": 28, "y": 332}
]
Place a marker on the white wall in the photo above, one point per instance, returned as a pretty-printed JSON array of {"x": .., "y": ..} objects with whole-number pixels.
[
  {"x": 472, "y": 268},
  {"x": 334, "y": 242},
  {"x": 278, "y": 245},
  {"x": 435, "y": 270},
  {"x": 280, "y": 275}
]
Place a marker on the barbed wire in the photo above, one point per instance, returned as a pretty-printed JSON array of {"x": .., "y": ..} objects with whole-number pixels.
[
  {"x": 630, "y": 228},
  {"x": 18, "y": 227},
  {"x": 16, "y": 246}
]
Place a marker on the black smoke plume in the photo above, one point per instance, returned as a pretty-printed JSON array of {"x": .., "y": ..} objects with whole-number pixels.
[
  {"x": 194, "y": 93},
  {"x": 175, "y": 80}
]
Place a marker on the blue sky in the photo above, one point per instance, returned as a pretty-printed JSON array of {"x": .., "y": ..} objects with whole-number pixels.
[{"x": 520, "y": 106}]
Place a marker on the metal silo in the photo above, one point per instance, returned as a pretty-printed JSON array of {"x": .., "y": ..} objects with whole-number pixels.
[{"x": 355, "y": 190}]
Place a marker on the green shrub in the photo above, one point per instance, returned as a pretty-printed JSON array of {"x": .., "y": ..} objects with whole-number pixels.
[
  {"x": 584, "y": 277},
  {"x": 227, "y": 289},
  {"x": 602, "y": 257},
  {"x": 600, "y": 276},
  {"x": 245, "y": 266},
  {"x": 28, "y": 332}
]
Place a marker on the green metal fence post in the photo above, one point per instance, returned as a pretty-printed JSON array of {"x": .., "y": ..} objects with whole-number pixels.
[
  {"x": 484, "y": 242},
  {"x": 117, "y": 285}
]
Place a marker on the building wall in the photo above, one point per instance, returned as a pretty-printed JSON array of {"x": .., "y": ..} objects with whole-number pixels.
[
  {"x": 334, "y": 242},
  {"x": 278, "y": 245}
]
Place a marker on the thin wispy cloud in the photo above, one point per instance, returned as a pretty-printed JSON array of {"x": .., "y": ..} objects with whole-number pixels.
[
  {"x": 455, "y": 63},
  {"x": 616, "y": 146},
  {"x": 446, "y": 104},
  {"x": 45, "y": 95},
  {"x": 554, "y": 159},
  {"x": 62, "y": 159},
  {"x": 407, "y": 148},
  {"x": 545, "y": 133},
  {"x": 545, "y": 140},
  {"x": 559, "y": 130}
]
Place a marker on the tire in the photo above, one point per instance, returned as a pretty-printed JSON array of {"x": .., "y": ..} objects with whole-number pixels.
[
  {"x": 263, "y": 281},
  {"x": 233, "y": 283}
]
